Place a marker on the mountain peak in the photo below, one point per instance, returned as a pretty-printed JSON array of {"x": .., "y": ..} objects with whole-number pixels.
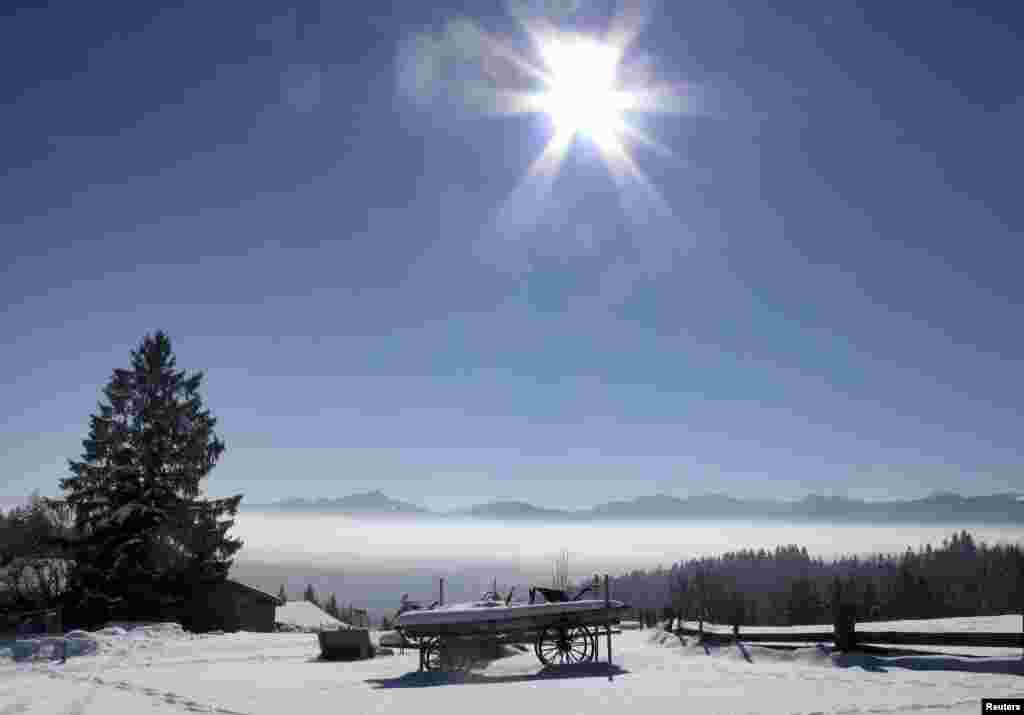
[{"x": 371, "y": 502}]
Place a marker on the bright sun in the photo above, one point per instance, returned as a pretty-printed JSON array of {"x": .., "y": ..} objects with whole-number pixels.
[
  {"x": 587, "y": 86},
  {"x": 581, "y": 96}
]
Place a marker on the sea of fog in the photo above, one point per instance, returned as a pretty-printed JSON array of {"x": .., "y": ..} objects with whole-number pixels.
[{"x": 371, "y": 563}]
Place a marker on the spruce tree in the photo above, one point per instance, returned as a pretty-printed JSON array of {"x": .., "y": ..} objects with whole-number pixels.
[
  {"x": 331, "y": 607},
  {"x": 870, "y": 601},
  {"x": 144, "y": 535},
  {"x": 282, "y": 594}
]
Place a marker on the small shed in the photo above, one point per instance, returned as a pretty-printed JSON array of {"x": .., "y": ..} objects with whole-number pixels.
[{"x": 229, "y": 606}]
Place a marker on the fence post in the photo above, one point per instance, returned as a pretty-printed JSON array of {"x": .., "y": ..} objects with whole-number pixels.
[
  {"x": 845, "y": 627},
  {"x": 442, "y": 591},
  {"x": 608, "y": 627}
]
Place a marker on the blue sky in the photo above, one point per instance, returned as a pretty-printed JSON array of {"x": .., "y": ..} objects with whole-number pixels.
[{"x": 308, "y": 202}]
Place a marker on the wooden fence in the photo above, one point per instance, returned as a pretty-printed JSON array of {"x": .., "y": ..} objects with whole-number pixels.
[
  {"x": 846, "y": 636},
  {"x": 28, "y": 623}
]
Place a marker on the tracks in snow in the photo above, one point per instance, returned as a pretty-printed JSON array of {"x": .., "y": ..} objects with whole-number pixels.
[{"x": 165, "y": 696}]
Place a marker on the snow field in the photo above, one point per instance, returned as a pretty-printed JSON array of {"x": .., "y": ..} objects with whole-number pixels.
[{"x": 161, "y": 669}]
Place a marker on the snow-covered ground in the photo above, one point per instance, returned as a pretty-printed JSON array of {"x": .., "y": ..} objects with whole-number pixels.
[{"x": 163, "y": 670}]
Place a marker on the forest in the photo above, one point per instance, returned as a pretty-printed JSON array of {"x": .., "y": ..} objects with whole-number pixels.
[{"x": 788, "y": 586}]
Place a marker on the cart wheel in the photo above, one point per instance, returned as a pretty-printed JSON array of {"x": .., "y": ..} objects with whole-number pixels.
[
  {"x": 408, "y": 641},
  {"x": 431, "y": 648},
  {"x": 444, "y": 654},
  {"x": 564, "y": 645}
]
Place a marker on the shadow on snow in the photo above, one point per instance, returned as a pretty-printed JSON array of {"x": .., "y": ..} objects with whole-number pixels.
[
  {"x": 878, "y": 664},
  {"x": 433, "y": 678}
]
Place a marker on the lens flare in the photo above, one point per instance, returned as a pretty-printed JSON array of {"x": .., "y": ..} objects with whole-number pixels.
[
  {"x": 594, "y": 87},
  {"x": 588, "y": 89}
]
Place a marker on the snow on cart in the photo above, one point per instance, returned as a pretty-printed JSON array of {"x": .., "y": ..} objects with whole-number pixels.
[{"x": 563, "y": 630}]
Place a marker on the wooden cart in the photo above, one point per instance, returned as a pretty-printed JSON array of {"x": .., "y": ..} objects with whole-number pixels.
[{"x": 558, "y": 637}]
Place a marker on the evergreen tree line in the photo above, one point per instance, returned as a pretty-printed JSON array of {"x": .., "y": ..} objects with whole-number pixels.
[
  {"x": 132, "y": 536},
  {"x": 33, "y": 572},
  {"x": 787, "y": 586}
]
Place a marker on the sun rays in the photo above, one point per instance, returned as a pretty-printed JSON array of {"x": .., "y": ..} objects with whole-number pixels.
[
  {"x": 586, "y": 88},
  {"x": 592, "y": 91}
]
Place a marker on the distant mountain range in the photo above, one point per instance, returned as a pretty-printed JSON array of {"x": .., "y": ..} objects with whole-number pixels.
[
  {"x": 942, "y": 508},
  {"x": 368, "y": 503}
]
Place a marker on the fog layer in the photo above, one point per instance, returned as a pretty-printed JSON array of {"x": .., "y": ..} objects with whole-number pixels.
[{"x": 371, "y": 562}]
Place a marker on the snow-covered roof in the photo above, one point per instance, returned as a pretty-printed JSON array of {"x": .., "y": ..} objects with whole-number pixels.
[
  {"x": 303, "y": 614},
  {"x": 254, "y": 591}
]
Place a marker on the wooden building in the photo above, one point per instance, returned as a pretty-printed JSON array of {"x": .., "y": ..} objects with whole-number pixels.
[{"x": 229, "y": 606}]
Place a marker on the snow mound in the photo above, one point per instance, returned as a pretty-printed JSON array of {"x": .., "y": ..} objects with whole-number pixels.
[
  {"x": 112, "y": 632},
  {"x": 666, "y": 639},
  {"x": 111, "y": 640},
  {"x": 305, "y": 617},
  {"x": 50, "y": 648}
]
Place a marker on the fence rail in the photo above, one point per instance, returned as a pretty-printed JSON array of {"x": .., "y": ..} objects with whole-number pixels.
[
  {"x": 749, "y": 637},
  {"x": 969, "y": 640},
  {"x": 847, "y": 637}
]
